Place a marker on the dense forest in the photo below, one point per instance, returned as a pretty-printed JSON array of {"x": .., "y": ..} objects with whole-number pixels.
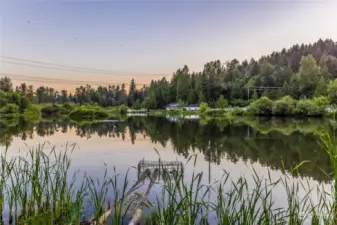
[{"x": 302, "y": 71}]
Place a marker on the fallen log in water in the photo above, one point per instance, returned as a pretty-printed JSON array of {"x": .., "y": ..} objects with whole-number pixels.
[
  {"x": 139, "y": 209},
  {"x": 108, "y": 211}
]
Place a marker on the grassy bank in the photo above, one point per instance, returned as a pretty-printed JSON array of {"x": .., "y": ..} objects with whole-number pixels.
[
  {"x": 263, "y": 107},
  {"x": 40, "y": 189}
]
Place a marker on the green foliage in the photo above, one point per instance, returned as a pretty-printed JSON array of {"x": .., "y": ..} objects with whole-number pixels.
[
  {"x": 6, "y": 84},
  {"x": 204, "y": 108},
  {"x": 65, "y": 108},
  {"x": 3, "y": 98},
  {"x": 132, "y": 93},
  {"x": 284, "y": 106},
  {"x": 68, "y": 106},
  {"x": 236, "y": 112},
  {"x": 88, "y": 113},
  {"x": 314, "y": 107},
  {"x": 49, "y": 111},
  {"x": 255, "y": 96},
  {"x": 30, "y": 187},
  {"x": 332, "y": 91},
  {"x": 24, "y": 103},
  {"x": 14, "y": 98},
  {"x": 308, "y": 75},
  {"x": 221, "y": 103},
  {"x": 122, "y": 109},
  {"x": 239, "y": 103},
  {"x": 137, "y": 105},
  {"x": 149, "y": 103},
  {"x": 10, "y": 109},
  {"x": 32, "y": 112},
  {"x": 181, "y": 103},
  {"x": 321, "y": 88},
  {"x": 261, "y": 107}
]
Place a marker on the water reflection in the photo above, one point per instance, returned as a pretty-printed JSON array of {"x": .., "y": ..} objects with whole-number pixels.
[{"x": 275, "y": 143}]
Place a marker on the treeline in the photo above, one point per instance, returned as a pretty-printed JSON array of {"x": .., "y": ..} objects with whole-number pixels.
[{"x": 302, "y": 71}]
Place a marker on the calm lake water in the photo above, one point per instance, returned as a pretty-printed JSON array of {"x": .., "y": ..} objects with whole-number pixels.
[{"x": 234, "y": 146}]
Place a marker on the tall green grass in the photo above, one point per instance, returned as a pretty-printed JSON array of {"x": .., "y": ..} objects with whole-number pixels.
[{"x": 41, "y": 189}]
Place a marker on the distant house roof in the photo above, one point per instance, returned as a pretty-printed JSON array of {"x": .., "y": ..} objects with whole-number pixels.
[
  {"x": 193, "y": 106},
  {"x": 172, "y": 104}
]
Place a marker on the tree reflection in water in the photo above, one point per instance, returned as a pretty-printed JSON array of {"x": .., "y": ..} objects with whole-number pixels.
[{"x": 266, "y": 141}]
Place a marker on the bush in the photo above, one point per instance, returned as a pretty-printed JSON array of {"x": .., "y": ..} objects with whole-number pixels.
[
  {"x": 137, "y": 105},
  {"x": 236, "y": 111},
  {"x": 321, "y": 102},
  {"x": 10, "y": 109},
  {"x": 261, "y": 107},
  {"x": 332, "y": 91},
  {"x": 32, "y": 112},
  {"x": 204, "y": 108},
  {"x": 284, "y": 107},
  {"x": 50, "y": 111},
  {"x": 24, "y": 103},
  {"x": 86, "y": 113},
  {"x": 221, "y": 103},
  {"x": 123, "y": 109},
  {"x": 314, "y": 107},
  {"x": 239, "y": 103},
  {"x": 66, "y": 108}
]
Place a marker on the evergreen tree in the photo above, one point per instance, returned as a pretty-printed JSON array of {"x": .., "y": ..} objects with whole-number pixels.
[
  {"x": 132, "y": 93},
  {"x": 321, "y": 88},
  {"x": 254, "y": 96},
  {"x": 221, "y": 103},
  {"x": 308, "y": 75}
]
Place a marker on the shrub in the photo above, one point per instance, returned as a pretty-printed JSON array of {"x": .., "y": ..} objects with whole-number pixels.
[
  {"x": 24, "y": 103},
  {"x": 221, "y": 102},
  {"x": 149, "y": 103},
  {"x": 123, "y": 109},
  {"x": 10, "y": 109},
  {"x": 262, "y": 107},
  {"x": 204, "y": 108},
  {"x": 303, "y": 106},
  {"x": 137, "y": 105},
  {"x": 32, "y": 112},
  {"x": 319, "y": 106},
  {"x": 100, "y": 114},
  {"x": 322, "y": 102},
  {"x": 332, "y": 91},
  {"x": 86, "y": 113},
  {"x": 50, "y": 111},
  {"x": 314, "y": 107},
  {"x": 284, "y": 107},
  {"x": 66, "y": 108},
  {"x": 236, "y": 111},
  {"x": 239, "y": 103}
]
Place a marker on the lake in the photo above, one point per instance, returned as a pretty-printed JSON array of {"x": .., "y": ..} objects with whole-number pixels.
[{"x": 235, "y": 146}]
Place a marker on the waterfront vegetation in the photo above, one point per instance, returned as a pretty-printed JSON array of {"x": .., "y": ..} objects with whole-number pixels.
[
  {"x": 284, "y": 107},
  {"x": 40, "y": 189},
  {"x": 302, "y": 72}
]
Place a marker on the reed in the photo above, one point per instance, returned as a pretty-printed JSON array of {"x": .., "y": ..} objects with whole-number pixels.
[{"x": 40, "y": 189}]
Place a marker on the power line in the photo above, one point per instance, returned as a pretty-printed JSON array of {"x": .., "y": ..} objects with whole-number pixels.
[
  {"x": 55, "y": 68},
  {"x": 72, "y": 68},
  {"x": 18, "y": 77}
]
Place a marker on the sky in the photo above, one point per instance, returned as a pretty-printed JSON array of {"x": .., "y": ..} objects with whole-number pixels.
[{"x": 149, "y": 39}]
